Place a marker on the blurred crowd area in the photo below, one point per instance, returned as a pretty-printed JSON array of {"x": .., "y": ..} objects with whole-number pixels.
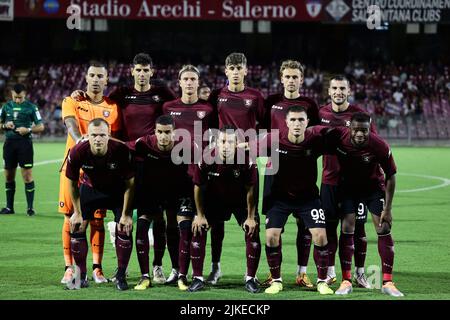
[{"x": 405, "y": 100}]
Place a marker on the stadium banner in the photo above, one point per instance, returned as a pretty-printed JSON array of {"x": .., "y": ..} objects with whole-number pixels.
[
  {"x": 6, "y": 10},
  {"x": 285, "y": 10},
  {"x": 391, "y": 11}
]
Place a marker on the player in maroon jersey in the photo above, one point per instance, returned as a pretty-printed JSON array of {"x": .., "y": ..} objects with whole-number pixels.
[
  {"x": 166, "y": 186},
  {"x": 338, "y": 114},
  {"x": 190, "y": 112},
  {"x": 107, "y": 182},
  {"x": 367, "y": 175},
  {"x": 222, "y": 188},
  {"x": 292, "y": 75},
  {"x": 294, "y": 190},
  {"x": 139, "y": 107},
  {"x": 243, "y": 108}
]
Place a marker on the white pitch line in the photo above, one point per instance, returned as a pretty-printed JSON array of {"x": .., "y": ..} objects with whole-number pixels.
[
  {"x": 445, "y": 182},
  {"x": 42, "y": 163}
]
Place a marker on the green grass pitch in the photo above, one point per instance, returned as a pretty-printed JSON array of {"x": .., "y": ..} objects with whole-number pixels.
[{"x": 31, "y": 261}]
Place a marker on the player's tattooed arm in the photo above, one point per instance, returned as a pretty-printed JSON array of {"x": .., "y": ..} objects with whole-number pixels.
[
  {"x": 126, "y": 220},
  {"x": 386, "y": 215},
  {"x": 72, "y": 128},
  {"x": 200, "y": 219},
  {"x": 250, "y": 223},
  {"x": 78, "y": 95}
]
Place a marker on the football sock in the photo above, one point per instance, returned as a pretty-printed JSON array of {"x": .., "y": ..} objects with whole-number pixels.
[
  {"x": 198, "y": 246},
  {"x": 303, "y": 245},
  {"x": 253, "y": 252},
  {"x": 10, "y": 188},
  {"x": 143, "y": 245},
  {"x": 321, "y": 260},
  {"x": 274, "y": 260},
  {"x": 97, "y": 238},
  {"x": 184, "y": 246},
  {"x": 332, "y": 239},
  {"x": 217, "y": 235},
  {"x": 159, "y": 240},
  {"x": 386, "y": 251},
  {"x": 173, "y": 239},
  {"x": 29, "y": 193},
  {"x": 360, "y": 245},
  {"x": 96, "y": 265},
  {"x": 68, "y": 259},
  {"x": 79, "y": 247},
  {"x": 346, "y": 250},
  {"x": 124, "y": 246}
]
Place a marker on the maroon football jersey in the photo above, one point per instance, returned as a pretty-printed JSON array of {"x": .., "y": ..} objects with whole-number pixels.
[
  {"x": 331, "y": 118},
  {"x": 363, "y": 170},
  {"x": 105, "y": 173},
  {"x": 297, "y": 173},
  {"x": 162, "y": 177},
  {"x": 139, "y": 110},
  {"x": 277, "y": 106},
  {"x": 185, "y": 115},
  {"x": 225, "y": 184},
  {"x": 240, "y": 109}
]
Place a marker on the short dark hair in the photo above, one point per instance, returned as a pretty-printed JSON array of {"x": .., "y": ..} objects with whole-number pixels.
[
  {"x": 96, "y": 122},
  {"x": 340, "y": 77},
  {"x": 18, "y": 88},
  {"x": 97, "y": 64},
  {"x": 165, "y": 120},
  {"x": 296, "y": 108},
  {"x": 236, "y": 58},
  {"x": 143, "y": 59},
  {"x": 360, "y": 117}
]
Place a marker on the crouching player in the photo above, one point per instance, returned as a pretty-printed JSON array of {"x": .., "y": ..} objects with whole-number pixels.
[
  {"x": 224, "y": 187},
  {"x": 107, "y": 182}
]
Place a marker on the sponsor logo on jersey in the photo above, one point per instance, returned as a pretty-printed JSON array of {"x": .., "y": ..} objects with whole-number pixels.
[
  {"x": 214, "y": 174},
  {"x": 313, "y": 7},
  {"x": 82, "y": 109},
  {"x": 172, "y": 113},
  {"x": 325, "y": 120},
  {"x": 130, "y": 97},
  {"x": 341, "y": 151},
  {"x": 277, "y": 107},
  {"x": 201, "y": 114},
  {"x": 85, "y": 166},
  {"x": 149, "y": 155},
  {"x": 106, "y": 113},
  {"x": 281, "y": 151},
  {"x": 223, "y": 99}
]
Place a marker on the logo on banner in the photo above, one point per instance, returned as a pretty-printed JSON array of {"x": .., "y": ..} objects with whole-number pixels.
[
  {"x": 337, "y": 9},
  {"x": 201, "y": 114},
  {"x": 313, "y": 7},
  {"x": 51, "y": 6}
]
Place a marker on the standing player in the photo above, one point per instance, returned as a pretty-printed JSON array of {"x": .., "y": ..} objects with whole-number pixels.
[
  {"x": 294, "y": 190},
  {"x": 367, "y": 175},
  {"x": 139, "y": 107},
  {"x": 221, "y": 189},
  {"x": 243, "y": 108},
  {"x": 338, "y": 114},
  {"x": 16, "y": 118},
  {"x": 166, "y": 185},
  {"x": 292, "y": 76},
  {"x": 107, "y": 182},
  {"x": 76, "y": 116}
]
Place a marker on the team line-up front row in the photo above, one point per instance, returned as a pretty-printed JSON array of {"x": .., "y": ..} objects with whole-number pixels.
[{"x": 223, "y": 187}]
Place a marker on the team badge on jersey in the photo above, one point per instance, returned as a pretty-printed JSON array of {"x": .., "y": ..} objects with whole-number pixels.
[
  {"x": 236, "y": 173},
  {"x": 201, "y": 114},
  {"x": 156, "y": 98},
  {"x": 248, "y": 102},
  {"x": 366, "y": 158},
  {"x": 106, "y": 113},
  {"x": 112, "y": 165}
]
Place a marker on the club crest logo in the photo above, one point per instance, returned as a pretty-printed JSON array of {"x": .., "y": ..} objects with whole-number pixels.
[
  {"x": 156, "y": 98},
  {"x": 201, "y": 114},
  {"x": 313, "y": 7},
  {"x": 236, "y": 173},
  {"x": 248, "y": 102},
  {"x": 111, "y": 165},
  {"x": 366, "y": 158},
  {"x": 106, "y": 113}
]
